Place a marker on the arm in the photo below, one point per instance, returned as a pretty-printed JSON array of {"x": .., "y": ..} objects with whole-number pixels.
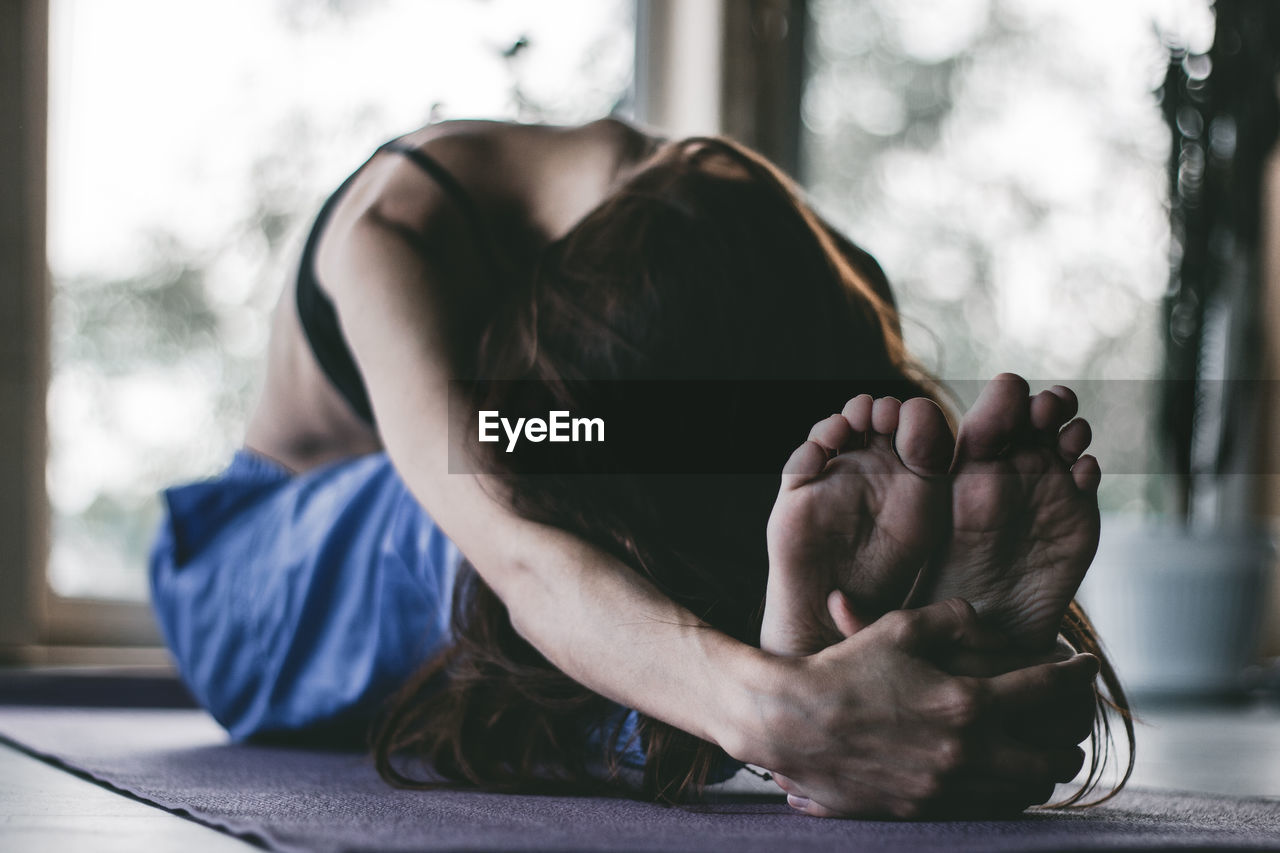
[
  {"x": 395, "y": 286},
  {"x": 399, "y": 269}
]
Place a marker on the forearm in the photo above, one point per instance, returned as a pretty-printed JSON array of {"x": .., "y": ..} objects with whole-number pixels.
[
  {"x": 610, "y": 629},
  {"x": 587, "y": 612},
  {"x": 599, "y": 621}
]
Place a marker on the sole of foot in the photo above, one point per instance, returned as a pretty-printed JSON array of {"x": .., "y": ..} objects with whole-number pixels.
[
  {"x": 862, "y": 506},
  {"x": 1024, "y": 511}
]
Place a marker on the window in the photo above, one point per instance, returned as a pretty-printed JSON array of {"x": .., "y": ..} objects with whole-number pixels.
[
  {"x": 1005, "y": 161},
  {"x": 188, "y": 147}
]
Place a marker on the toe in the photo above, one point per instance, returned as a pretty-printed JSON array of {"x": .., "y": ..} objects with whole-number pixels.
[
  {"x": 924, "y": 442},
  {"x": 996, "y": 419},
  {"x": 832, "y": 433},
  {"x": 858, "y": 412},
  {"x": 806, "y": 462},
  {"x": 884, "y": 415},
  {"x": 1068, "y": 397},
  {"x": 1073, "y": 440},
  {"x": 1087, "y": 474},
  {"x": 1048, "y": 413}
]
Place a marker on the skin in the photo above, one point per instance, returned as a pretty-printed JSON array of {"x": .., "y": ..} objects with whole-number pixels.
[
  {"x": 533, "y": 183},
  {"x": 1024, "y": 511},
  {"x": 930, "y": 744},
  {"x": 858, "y": 516},
  {"x": 863, "y": 499},
  {"x": 399, "y": 263}
]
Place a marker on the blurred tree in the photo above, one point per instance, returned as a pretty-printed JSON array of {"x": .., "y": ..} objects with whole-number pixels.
[
  {"x": 1004, "y": 160},
  {"x": 1223, "y": 114},
  {"x": 157, "y": 365}
]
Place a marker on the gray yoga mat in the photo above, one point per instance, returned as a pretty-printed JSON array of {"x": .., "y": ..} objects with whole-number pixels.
[{"x": 293, "y": 799}]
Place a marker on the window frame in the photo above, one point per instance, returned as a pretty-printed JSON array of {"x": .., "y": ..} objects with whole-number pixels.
[
  {"x": 735, "y": 67},
  {"x": 37, "y": 626},
  {"x": 24, "y": 312}
]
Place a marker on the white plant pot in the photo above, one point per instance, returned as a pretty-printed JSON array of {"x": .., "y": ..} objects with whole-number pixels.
[{"x": 1178, "y": 611}]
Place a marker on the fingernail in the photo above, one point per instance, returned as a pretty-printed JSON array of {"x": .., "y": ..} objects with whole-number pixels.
[{"x": 798, "y": 803}]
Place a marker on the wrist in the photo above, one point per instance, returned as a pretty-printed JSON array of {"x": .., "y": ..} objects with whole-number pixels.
[{"x": 750, "y": 696}]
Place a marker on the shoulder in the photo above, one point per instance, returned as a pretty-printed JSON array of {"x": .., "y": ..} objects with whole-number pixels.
[
  {"x": 522, "y": 178},
  {"x": 523, "y": 170},
  {"x": 473, "y": 140}
]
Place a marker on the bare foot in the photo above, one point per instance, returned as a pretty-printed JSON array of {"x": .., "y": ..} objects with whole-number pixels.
[
  {"x": 1024, "y": 512},
  {"x": 856, "y": 517}
]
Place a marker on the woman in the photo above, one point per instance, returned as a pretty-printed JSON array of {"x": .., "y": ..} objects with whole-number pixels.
[{"x": 299, "y": 588}]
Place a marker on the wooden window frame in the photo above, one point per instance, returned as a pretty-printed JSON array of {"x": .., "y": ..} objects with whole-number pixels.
[
  {"x": 36, "y": 625},
  {"x": 735, "y": 67},
  {"x": 24, "y": 320}
]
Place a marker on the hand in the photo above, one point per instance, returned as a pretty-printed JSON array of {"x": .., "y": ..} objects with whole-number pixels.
[
  {"x": 871, "y": 727},
  {"x": 1062, "y": 720},
  {"x": 1058, "y": 721}
]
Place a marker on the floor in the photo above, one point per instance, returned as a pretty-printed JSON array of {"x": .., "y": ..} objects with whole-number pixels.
[
  {"x": 1232, "y": 751},
  {"x": 43, "y": 808}
]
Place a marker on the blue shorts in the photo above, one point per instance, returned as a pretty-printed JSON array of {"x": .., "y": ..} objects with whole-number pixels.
[
  {"x": 296, "y": 604},
  {"x": 300, "y": 602}
]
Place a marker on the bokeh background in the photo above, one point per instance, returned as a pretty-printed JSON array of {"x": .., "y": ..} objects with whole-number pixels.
[{"x": 1004, "y": 159}]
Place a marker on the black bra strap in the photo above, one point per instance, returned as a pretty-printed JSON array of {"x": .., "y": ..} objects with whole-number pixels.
[
  {"x": 442, "y": 176},
  {"x": 315, "y": 310},
  {"x": 454, "y": 190}
]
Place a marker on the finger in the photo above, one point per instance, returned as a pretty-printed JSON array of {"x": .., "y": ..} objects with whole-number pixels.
[
  {"x": 984, "y": 798},
  {"x": 804, "y": 805},
  {"x": 983, "y": 663},
  {"x": 1026, "y": 688},
  {"x": 882, "y": 807},
  {"x": 1062, "y": 722},
  {"x": 944, "y": 625},
  {"x": 786, "y": 783},
  {"x": 1012, "y": 761},
  {"x": 1058, "y": 724},
  {"x": 998, "y": 661},
  {"x": 842, "y": 613}
]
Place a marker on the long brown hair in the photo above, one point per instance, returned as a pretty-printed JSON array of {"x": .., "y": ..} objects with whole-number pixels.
[{"x": 690, "y": 270}]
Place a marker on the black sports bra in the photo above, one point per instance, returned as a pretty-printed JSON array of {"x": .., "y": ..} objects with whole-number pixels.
[{"x": 315, "y": 309}]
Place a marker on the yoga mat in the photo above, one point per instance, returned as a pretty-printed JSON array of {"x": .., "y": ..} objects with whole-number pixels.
[
  {"x": 294, "y": 799},
  {"x": 140, "y": 687}
]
